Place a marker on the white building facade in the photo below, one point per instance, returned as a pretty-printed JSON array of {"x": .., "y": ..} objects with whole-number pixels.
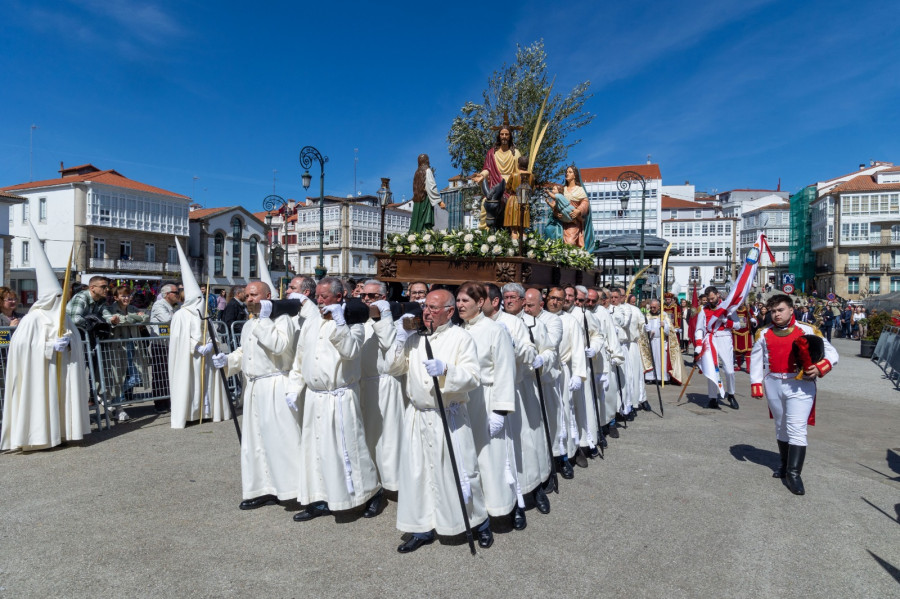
[
  {"x": 773, "y": 220},
  {"x": 222, "y": 246}
]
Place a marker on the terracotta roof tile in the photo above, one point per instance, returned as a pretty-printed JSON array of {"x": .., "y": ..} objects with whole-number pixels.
[
  {"x": 611, "y": 173},
  {"x": 204, "y": 212},
  {"x": 865, "y": 183},
  {"x": 107, "y": 177},
  {"x": 10, "y": 196},
  {"x": 668, "y": 203}
]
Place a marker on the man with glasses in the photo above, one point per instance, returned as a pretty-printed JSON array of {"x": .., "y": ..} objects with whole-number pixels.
[
  {"x": 161, "y": 313},
  {"x": 417, "y": 291},
  {"x": 610, "y": 360},
  {"x": 337, "y": 470},
  {"x": 381, "y": 395},
  {"x": 548, "y": 361},
  {"x": 89, "y": 302},
  {"x": 429, "y": 503}
]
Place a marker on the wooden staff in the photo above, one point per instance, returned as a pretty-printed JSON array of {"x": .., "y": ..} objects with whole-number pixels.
[
  {"x": 67, "y": 280},
  {"x": 662, "y": 339}
]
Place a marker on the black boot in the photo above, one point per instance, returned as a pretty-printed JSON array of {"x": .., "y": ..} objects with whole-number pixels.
[
  {"x": 796, "y": 455},
  {"x": 783, "y": 450}
]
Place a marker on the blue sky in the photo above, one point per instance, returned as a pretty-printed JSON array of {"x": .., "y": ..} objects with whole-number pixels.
[{"x": 726, "y": 94}]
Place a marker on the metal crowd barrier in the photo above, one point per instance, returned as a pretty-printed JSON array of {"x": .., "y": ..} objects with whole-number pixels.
[
  {"x": 887, "y": 354},
  {"x": 131, "y": 367}
]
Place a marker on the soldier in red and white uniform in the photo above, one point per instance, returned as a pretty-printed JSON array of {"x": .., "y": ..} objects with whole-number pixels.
[
  {"x": 791, "y": 401},
  {"x": 722, "y": 341}
]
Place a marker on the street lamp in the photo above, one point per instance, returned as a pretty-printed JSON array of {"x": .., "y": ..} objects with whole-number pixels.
[
  {"x": 624, "y": 184},
  {"x": 307, "y": 155},
  {"x": 385, "y": 197},
  {"x": 270, "y": 203}
]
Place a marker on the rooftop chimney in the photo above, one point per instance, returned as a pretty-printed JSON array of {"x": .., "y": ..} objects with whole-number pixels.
[{"x": 862, "y": 166}]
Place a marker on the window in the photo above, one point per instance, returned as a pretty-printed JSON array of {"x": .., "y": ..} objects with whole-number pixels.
[
  {"x": 307, "y": 264},
  {"x": 334, "y": 263},
  {"x": 219, "y": 254},
  {"x": 254, "y": 258},
  {"x": 695, "y": 272},
  {"x": 25, "y": 212},
  {"x": 875, "y": 285},
  {"x": 25, "y": 253},
  {"x": 150, "y": 252},
  {"x": 698, "y": 214},
  {"x": 171, "y": 255},
  {"x": 853, "y": 259},
  {"x": 875, "y": 259},
  {"x": 852, "y": 284},
  {"x": 99, "y": 251},
  {"x": 125, "y": 249},
  {"x": 895, "y": 283},
  {"x": 720, "y": 273},
  {"x": 42, "y": 210},
  {"x": 236, "y": 227}
]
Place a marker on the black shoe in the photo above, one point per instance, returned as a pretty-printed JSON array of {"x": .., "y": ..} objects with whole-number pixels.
[
  {"x": 714, "y": 404},
  {"x": 541, "y": 503},
  {"x": 519, "y": 520},
  {"x": 796, "y": 456},
  {"x": 603, "y": 443},
  {"x": 630, "y": 416},
  {"x": 580, "y": 459},
  {"x": 485, "y": 538},
  {"x": 311, "y": 512},
  {"x": 645, "y": 405},
  {"x": 565, "y": 469},
  {"x": 374, "y": 505},
  {"x": 733, "y": 401},
  {"x": 613, "y": 432},
  {"x": 783, "y": 450},
  {"x": 257, "y": 502},
  {"x": 552, "y": 485},
  {"x": 620, "y": 417},
  {"x": 414, "y": 543},
  {"x": 593, "y": 453}
]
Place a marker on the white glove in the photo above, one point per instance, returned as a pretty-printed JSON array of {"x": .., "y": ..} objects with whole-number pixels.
[
  {"x": 337, "y": 313},
  {"x": 648, "y": 328},
  {"x": 204, "y": 350},
  {"x": 434, "y": 367},
  {"x": 61, "y": 343},
  {"x": 604, "y": 381},
  {"x": 298, "y": 296},
  {"x": 496, "y": 422},
  {"x": 384, "y": 307},
  {"x": 219, "y": 360},
  {"x": 590, "y": 352},
  {"x": 575, "y": 383},
  {"x": 291, "y": 400},
  {"x": 617, "y": 361},
  {"x": 538, "y": 362},
  {"x": 265, "y": 308}
]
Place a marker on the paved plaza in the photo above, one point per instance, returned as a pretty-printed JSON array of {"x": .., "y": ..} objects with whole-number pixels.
[{"x": 682, "y": 506}]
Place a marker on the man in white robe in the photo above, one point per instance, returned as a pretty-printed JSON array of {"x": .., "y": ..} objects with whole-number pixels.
[
  {"x": 46, "y": 397},
  {"x": 609, "y": 358},
  {"x": 196, "y": 389},
  {"x": 551, "y": 378},
  {"x": 630, "y": 323},
  {"x": 585, "y": 406},
  {"x": 429, "y": 497},
  {"x": 270, "y": 443},
  {"x": 381, "y": 394},
  {"x": 526, "y": 422},
  {"x": 573, "y": 368},
  {"x": 657, "y": 320},
  {"x": 336, "y": 469}
]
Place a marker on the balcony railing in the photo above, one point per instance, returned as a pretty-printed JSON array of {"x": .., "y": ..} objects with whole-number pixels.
[
  {"x": 854, "y": 268},
  {"x": 103, "y": 263},
  {"x": 140, "y": 265}
]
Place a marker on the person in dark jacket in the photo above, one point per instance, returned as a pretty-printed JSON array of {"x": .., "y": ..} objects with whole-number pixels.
[{"x": 235, "y": 309}]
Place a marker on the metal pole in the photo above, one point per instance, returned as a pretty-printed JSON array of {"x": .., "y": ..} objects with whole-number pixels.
[{"x": 322, "y": 219}]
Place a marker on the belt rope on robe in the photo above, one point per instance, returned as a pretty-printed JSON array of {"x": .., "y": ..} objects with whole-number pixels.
[
  {"x": 338, "y": 394},
  {"x": 593, "y": 385},
  {"x": 231, "y": 399},
  {"x": 512, "y": 474},
  {"x": 537, "y": 378},
  {"x": 253, "y": 379},
  {"x": 449, "y": 442}
]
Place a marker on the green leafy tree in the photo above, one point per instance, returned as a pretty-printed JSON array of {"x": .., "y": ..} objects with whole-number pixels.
[{"x": 519, "y": 89}]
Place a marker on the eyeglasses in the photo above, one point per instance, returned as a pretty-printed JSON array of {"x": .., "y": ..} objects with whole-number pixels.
[
  {"x": 435, "y": 308},
  {"x": 556, "y": 298},
  {"x": 370, "y": 295},
  {"x": 579, "y": 300}
]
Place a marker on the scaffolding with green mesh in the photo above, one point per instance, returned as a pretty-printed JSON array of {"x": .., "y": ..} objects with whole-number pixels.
[{"x": 802, "y": 260}]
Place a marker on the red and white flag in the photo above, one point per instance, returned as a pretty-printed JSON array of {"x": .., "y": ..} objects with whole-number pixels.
[{"x": 709, "y": 361}]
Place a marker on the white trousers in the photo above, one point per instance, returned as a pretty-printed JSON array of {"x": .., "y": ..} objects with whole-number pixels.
[
  {"x": 790, "y": 401},
  {"x": 724, "y": 345}
]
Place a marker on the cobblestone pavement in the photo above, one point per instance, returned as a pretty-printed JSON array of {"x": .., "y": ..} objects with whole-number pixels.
[{"x": 682, "y": 506}]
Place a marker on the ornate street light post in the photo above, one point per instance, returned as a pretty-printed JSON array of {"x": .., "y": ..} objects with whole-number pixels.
[
  {"x": 624, "y": 183},
  {"x": 307, "y": 155},
  {"x": 270, "y": 203},
  {"x": 385, "y": 196}
]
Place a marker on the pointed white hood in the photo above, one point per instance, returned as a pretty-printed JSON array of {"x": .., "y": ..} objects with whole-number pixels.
[
  {"x": 49, "y": 290},
  {"x": 264, "y": 275},
  {"x": 192, "y": 293}
]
